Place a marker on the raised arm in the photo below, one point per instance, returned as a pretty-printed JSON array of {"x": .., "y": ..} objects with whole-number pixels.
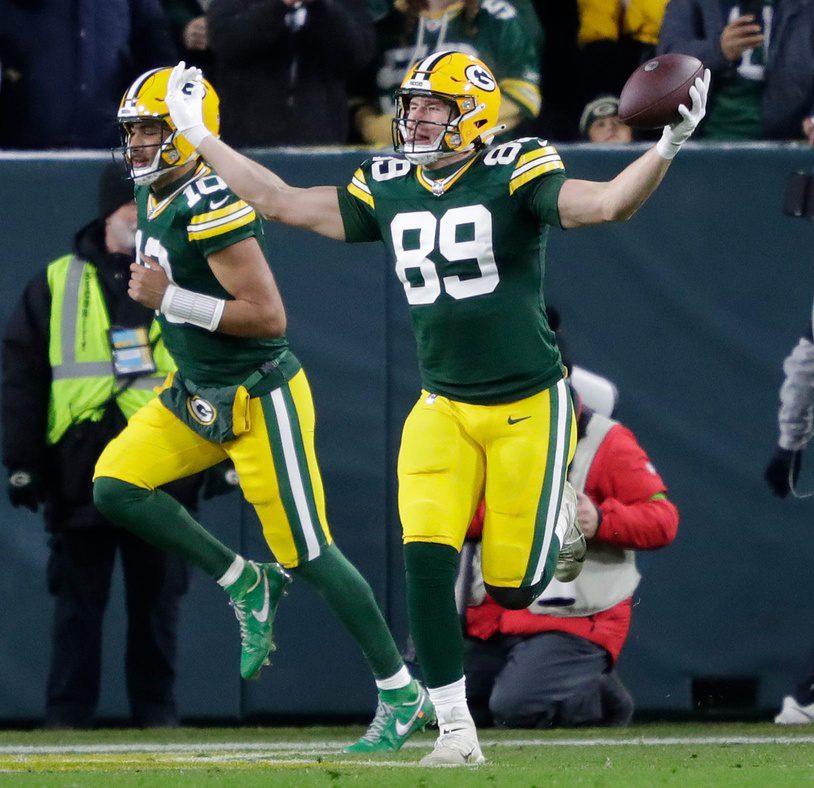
[
  {"x": 315, "y": 208},
  {"x": 582, "y": 203}
]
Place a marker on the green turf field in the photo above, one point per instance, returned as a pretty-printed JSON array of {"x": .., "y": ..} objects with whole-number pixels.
[{"x": 758, "y": 754}]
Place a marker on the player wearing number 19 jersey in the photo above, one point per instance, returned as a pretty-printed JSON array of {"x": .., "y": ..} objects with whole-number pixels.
[
  {"x": 466, "y": 225},
  {"x": 240, "y": 394}
]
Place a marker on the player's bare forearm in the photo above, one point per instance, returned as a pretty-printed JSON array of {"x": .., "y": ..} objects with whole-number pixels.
[
  {"x": 259, "y": 319},
  {"x": 583, "y": 203},
  {"x": 256, "y": 308},
  {"x": 315, "y": 209},
  {"x": 631, "y": 188}
]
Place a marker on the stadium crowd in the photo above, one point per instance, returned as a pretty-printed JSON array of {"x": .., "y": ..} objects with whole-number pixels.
[{"x": 332, "y": 65}]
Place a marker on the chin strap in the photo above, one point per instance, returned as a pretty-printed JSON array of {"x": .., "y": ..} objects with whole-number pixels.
[{"x": 488, "y": 135}]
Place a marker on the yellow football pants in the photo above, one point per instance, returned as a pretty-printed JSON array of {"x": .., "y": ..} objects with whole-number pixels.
[
  {"x": 275, "y": 461},
  {"x": 514, "y": 455}
]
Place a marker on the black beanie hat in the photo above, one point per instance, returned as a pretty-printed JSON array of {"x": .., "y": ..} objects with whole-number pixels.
[
  {"x": 602, "y": 107},
  {"x": 115, "y": 189}
]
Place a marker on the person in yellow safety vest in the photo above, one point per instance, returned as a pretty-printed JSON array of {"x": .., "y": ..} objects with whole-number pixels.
[{"x": 79, "y": 358}]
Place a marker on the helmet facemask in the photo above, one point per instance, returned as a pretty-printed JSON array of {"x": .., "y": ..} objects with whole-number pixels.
[
  {"x": 443, "y": 139},
  {"x": 166, "y": 155}
]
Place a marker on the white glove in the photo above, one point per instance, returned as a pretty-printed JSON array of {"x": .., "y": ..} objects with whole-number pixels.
[
  {"x": 675, "y": 135},
  {"x": 185, "y": 92}
]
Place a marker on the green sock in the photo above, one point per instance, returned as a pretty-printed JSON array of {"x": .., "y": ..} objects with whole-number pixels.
[
  {"x": 434, "y": 622},
  {"x": 351, "y": 599},
  {"x": 160, "y": 520}
]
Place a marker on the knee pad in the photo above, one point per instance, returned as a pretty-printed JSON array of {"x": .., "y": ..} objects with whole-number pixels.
[{"x": 514, "y": 598}]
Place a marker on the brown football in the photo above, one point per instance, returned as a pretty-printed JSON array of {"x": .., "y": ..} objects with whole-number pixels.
[{"x": 653, "y": 92}]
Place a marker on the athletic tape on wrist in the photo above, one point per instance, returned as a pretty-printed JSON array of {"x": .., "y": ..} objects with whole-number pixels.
[
  {"x": 667, "y": 147},
  {"x": 198, "y": 309},
  {"x": 196, "y": 135}
]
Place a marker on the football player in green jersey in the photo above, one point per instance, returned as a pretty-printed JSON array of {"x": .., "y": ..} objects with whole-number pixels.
[
  {"x": 465, "y": 222},
  {"x": 239, "y": 393}
]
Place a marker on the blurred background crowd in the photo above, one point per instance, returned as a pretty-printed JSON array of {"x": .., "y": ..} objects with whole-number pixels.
[{"x": 322, "y": 72}]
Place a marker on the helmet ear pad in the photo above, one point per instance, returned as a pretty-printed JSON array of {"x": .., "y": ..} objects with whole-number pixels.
[{"x": 171, "y": 156}]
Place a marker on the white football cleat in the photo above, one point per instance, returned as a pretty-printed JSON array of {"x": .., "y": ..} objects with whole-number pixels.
[
  {"x": 456, "y": 745},
  {"x": 793, "y": 713}
]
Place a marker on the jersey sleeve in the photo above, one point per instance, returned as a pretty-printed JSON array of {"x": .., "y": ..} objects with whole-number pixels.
[
  {"x": 358, "y": 208},
  {"x": 537, "y": 178},
  {"x": 222, "y": 219}
]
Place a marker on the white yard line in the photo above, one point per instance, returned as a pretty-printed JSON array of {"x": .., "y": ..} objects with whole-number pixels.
[{"x": 334, "y": 747}]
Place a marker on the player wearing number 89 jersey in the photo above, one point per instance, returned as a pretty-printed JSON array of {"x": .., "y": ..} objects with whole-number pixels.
[
  {"x": 466, "y": 224},
  {"x": 471, "y": 259},
  {"x": 468, "y": 240}
]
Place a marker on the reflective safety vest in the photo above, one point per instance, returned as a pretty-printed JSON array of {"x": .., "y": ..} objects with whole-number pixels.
[{"x": 79, "y": 353}]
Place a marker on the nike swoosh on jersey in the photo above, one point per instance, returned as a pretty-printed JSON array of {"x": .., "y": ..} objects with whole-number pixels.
[
  {"x": 404, "y": 729},
  {"x": 215, "y": 205},
  {"x": 263, "y": 614},
  {"x": 515, "y": 421}
]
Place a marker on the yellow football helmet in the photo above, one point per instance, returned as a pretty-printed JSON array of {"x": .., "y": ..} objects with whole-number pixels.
[
  {"x": 467, "y": 86},
  {"x": 144, "y": 101}
]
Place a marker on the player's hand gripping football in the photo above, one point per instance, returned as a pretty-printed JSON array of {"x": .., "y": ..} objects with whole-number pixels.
[
  {"x": 676, "y": 134},
  {"x": 185, "y": 92}
]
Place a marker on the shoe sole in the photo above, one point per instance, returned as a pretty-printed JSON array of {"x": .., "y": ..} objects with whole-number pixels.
[{"x": 429, "y": 762}]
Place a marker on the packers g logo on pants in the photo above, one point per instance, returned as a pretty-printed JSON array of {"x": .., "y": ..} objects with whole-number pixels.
[{"x": 202, "y": 410}]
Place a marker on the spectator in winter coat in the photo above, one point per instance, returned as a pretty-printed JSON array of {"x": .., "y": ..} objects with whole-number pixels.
[{"x": 66, "y": 64}]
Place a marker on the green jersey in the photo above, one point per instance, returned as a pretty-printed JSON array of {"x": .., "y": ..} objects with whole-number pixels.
[
  {"x": 179, "y": 228},
  {"x": 504, "y": 34},
  {"x": 469, "y": 247},
  {"x": 735, "y": 108}
]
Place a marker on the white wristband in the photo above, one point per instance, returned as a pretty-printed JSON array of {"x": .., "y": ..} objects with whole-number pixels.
[
  {"x": 185, "y": 306},
  {"x": 195, "y": 135},
  {"x": 667, "y": 147}
]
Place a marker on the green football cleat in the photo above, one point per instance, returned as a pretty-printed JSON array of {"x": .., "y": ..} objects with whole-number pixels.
[
  {"x": 255, "y": 609},
  {"x": 396, "y": 720}
]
